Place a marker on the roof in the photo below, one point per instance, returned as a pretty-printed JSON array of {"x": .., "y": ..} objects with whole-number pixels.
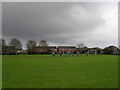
[
  {"x": 8, "y": 46},
  {"x": 51, "y": 46},
  {"x": 47, "y": 47},
  {"x": 66, "y": 46}
]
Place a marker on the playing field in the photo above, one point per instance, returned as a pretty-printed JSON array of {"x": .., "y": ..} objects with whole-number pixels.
[{"x": 33, "y": 71}]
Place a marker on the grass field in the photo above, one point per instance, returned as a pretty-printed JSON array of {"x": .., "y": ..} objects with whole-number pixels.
[{"x": 33, "y": 71}]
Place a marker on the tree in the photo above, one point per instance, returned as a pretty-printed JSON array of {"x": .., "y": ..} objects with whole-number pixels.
[
  {"x": 2, "y": 42},
  {"x": 111, "y": 50},
  {"x": 44, "y": 45},
  {"x": 80, "y": 45},
  {"x": 99, "y": 50},
  {"x": 16, "y": 44},
  {"x": 31, "y": 46},
  {"x": 107, "y": 51},
  {"x": 2, "y": 45}
]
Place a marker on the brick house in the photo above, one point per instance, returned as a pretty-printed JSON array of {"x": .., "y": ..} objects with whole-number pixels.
[
  {"x": 66, "y": 48},
  {"x": 8, "y": 49},
  {"x": 51, "y": 48}
]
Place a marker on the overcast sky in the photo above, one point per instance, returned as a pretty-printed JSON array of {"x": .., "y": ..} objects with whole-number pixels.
[{"x": 61, "y": 23}]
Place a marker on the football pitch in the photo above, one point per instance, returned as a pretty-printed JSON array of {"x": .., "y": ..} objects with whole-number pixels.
[{"x": 47, "y": 71}]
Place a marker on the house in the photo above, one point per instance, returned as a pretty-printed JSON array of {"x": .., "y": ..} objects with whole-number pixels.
[
  {"x": 52, "y": 48},
  {"x": 48, "y": 48},
  {"x": 8, "y": 49},
  {"x": 66, "y": 48}
]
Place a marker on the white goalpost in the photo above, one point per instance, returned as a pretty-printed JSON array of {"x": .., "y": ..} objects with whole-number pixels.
[{"x": 92, "y": 52}]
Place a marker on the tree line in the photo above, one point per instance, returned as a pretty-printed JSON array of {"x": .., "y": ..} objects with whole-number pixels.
[
  {"x": 17, "y": 45},
  {"x": 31, "y": 47}
]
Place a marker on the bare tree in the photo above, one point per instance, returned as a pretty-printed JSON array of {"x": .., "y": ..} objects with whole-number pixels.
[
  {"x": 2, "y": 42},
  {"x": 2, "y": 45},
  {"x": 44, "y": 45},
  {"x": 31, "y": 46},
  {"x": 80, "y": 45},
  {"x": 16, "y": 44}
]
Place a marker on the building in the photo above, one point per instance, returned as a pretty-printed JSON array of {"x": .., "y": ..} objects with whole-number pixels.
[
  {"x": 52, "y": 48},
  {"x": 11, "y": 50},
  {"x": 7, "y": 49},
  {"x": 48, "y": 48},
  {"x": 66, "y": 48}
]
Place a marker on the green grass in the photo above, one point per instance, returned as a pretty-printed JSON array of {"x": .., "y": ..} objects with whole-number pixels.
[{"x": 33, "y": 71}]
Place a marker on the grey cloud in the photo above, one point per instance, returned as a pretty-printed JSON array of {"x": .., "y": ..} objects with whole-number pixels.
[{"x": 54, "y": 22}]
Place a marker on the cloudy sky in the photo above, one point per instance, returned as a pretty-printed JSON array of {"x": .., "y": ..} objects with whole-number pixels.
[{"x": 61, "y": 23}]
